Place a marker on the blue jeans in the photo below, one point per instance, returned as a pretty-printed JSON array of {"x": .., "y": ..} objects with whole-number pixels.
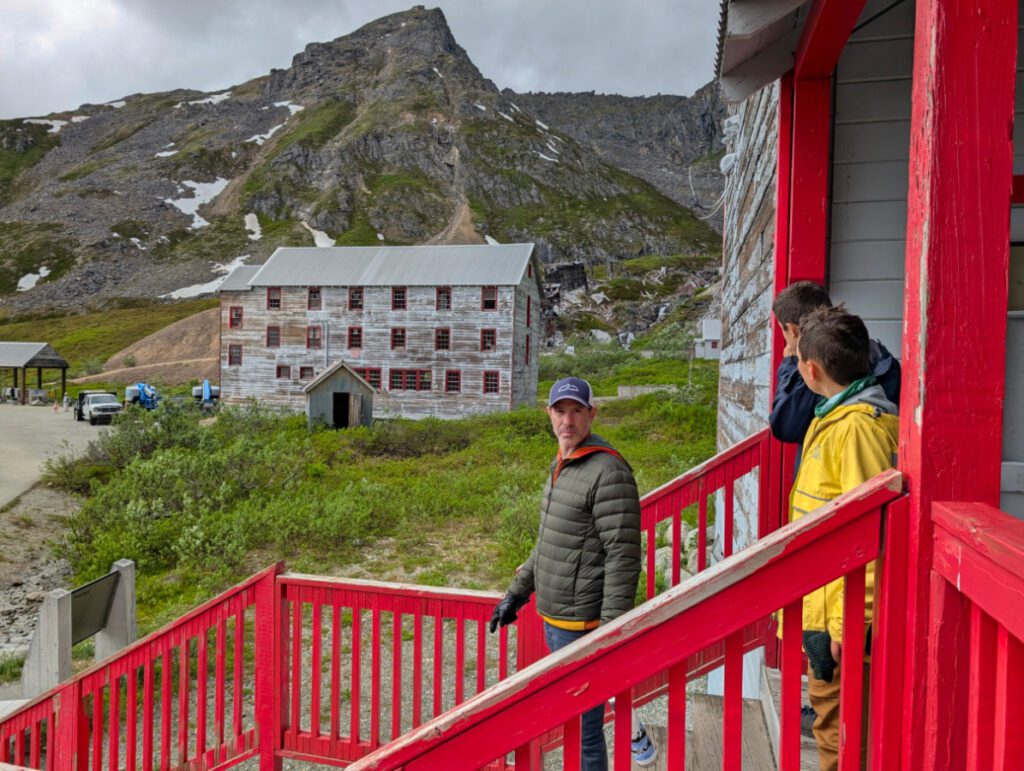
[{"x": 594, "y": 752}]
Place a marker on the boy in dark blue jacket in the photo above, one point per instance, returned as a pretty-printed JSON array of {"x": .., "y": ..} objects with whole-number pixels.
[{"x": 794, "y": 403}]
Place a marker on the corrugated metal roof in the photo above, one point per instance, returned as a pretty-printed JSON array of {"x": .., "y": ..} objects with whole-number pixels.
[
  {"x": 238, "y": 279},
  {"x": 492, "y": 265},
  {"x": 29, "y": 355}
]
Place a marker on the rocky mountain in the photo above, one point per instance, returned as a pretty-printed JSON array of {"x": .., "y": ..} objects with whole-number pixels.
[
  {"x": 387, "y": 135},
  {"x": 673, "y": 142}
]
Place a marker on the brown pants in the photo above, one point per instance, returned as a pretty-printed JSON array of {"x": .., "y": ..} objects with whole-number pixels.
[{"x": 825, "y": 700}]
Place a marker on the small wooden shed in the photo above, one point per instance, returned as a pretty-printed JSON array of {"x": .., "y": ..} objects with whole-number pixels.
[{"x": 340, "y": 398}]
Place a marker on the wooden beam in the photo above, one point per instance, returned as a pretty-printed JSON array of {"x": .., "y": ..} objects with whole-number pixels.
[
  {"x": 759, "y": 70},
  {"x": 825, "y": 32},
  {"x": 957, "y": 262},
  {"x": 749, "y": 17},
  {"x": 808, "y": 212}
]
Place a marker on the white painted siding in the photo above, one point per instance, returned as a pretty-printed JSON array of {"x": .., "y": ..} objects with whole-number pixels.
[{"x": 871, "y": 149}]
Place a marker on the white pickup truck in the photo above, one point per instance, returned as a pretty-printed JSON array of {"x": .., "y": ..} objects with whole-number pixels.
[{"x": 98, "y": 407}]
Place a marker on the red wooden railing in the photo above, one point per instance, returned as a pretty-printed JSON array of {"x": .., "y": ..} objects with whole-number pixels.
[
  {"x": 135, "y": 710},
  {"x": 736, "y": 465},
  {"x": 979, "y": 564},
  {"x": 658, "y": 637},
  {"x": 341, "y": 638}
]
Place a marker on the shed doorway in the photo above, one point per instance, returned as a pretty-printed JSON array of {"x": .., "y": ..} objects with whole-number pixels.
[{"x": 346, "y": 409}]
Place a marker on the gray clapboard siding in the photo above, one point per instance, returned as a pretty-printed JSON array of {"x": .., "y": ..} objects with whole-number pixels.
[
  {"x": 877, "y": 300},
  {"x": 886, "y": 22},
  {"x": 867, "y": 260},
  {"x": 869, "y": 142},
  {"x": 870, "y": 172},
  {"x": 869, "y": 181}
]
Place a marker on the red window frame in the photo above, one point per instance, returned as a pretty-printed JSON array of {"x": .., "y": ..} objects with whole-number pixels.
[
  {"x": 371, "y": 375},
  {"x": 491, "y": 387},
  {"x": 355, "y": 298},
  {"x": 305, "y": 373},
  {"x": 235, "y": 317},
  {"x": 399, "y": 298},
  {"x": 355, "y": 337},
  {"x": 446, "y": 293},
  {"x": 488, "y": 297},
  {"x": 284, "y": 372},
  {"x": 314, "y": 298},
  {"x": 452, "y": 381},
  {"x": 527, "y": 349},
  {"x": 396, "y": 332},
  {"x": 484, "y": 334},
  {"x": 529, "y": 309},
  {"x": 234, "y": 356},
  {"x": 529, "y": 270},
  {"x": 276, "y": 332},
  {"x": 442, "y": 339},
  {"x": 314, "y": 337},
  {"x": 410, "y": 380},
  {"x": 273, "y": 298}
]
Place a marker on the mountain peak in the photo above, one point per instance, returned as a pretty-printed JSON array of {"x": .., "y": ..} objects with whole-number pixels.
[{"x": 386, "y": 50}]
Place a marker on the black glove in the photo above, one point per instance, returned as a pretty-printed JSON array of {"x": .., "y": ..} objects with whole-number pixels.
[
  {"x": 819, "y": 653},
  {"x": 505, "y": 612}
]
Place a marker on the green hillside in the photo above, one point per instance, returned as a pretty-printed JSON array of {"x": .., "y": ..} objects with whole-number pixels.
[
  {"x": 440, "y": 502},
  {"x": 89, "y": 339}
]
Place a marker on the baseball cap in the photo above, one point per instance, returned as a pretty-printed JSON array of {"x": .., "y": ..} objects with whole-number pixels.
[{"x": 574, "y": 388}]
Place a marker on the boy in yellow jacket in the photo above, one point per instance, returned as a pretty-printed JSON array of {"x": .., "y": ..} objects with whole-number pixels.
[{"x": 852, "y": 438}]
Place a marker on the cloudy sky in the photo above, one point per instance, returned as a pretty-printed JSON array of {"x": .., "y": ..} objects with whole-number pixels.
[{"x": 57, "y": 54}]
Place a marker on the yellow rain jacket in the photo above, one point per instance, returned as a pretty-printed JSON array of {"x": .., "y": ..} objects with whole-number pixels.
[{"x": 854, "y": 442}]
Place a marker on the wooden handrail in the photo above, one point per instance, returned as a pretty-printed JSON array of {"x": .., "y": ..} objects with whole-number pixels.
[
  {"x": 838, "y": 538},
  {"x": 704, "y": 468},
  {"x": 980, "y": 550}
]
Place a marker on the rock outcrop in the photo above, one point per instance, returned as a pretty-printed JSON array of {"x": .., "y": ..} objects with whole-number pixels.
[{"x": 388, "y": 135}]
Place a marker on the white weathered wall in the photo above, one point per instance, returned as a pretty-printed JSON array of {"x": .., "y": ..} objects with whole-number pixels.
[
  {"x": 871, "y": 149},
  {"x": 748, "y": 271},
  {"x": 748, "y": 275},
  {"x": 255, "y": 378}
]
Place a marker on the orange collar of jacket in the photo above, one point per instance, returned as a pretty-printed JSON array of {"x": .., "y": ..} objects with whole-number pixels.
[{"x": 579, "y": 452}]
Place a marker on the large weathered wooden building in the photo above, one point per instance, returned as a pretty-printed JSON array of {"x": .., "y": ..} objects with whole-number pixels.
[{"x": 439, "y": 330}]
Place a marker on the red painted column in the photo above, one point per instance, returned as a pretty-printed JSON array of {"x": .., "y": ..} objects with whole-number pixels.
[
  {"x": 954, "y": 340},
  {"x": 808, "y": 213}
]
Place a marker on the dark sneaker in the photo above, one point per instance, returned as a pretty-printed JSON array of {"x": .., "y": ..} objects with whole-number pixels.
[{"x": 807, "y": 718}]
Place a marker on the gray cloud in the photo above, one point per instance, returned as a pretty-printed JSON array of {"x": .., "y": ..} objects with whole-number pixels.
[{"x": 55, "y": 55}]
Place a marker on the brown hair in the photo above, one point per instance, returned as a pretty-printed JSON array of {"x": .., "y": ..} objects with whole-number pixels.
[
  {"x": 838, "y": 341},
  {"x": 798, "y": 299}
]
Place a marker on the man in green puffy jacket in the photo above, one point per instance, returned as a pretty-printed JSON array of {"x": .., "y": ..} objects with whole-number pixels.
[{"x": 586, "y": 562}]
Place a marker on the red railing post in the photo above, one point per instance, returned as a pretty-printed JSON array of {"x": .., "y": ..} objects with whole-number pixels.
[
  {"x": 68, "y": 716},
  {"x": 268, "y": 695}
]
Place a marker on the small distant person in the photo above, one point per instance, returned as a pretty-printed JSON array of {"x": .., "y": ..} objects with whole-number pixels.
[
  {"x": 585, "y": 564},
  {"x": 67, "y": 401},
  {"x": 852, "y": 438},
  {"x": 794, "y": 403}
]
